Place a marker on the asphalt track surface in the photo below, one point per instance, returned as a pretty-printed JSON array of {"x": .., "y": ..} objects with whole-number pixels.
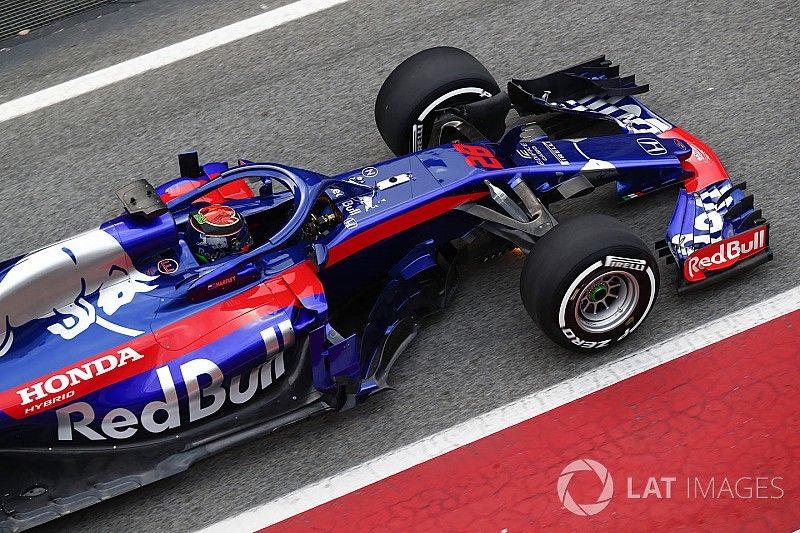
[{"x": 303, "y": 94}]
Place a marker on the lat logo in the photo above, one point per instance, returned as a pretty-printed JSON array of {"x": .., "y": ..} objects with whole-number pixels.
[
  {"x": 603, "y": 476},
  {"x": 725, "y": 254},
  {"x": 652, "y": 146}
]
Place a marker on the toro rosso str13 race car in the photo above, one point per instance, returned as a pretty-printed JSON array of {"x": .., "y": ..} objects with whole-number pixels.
[{"x": 238, "y": 299}]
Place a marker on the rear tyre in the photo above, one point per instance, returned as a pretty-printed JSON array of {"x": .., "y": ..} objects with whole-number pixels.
[
  {"x": 433, "y": 79},
  {"x": 589, "y": 283}
]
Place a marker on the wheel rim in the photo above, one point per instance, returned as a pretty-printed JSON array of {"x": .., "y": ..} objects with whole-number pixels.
[{"x": 607, "y": 301}]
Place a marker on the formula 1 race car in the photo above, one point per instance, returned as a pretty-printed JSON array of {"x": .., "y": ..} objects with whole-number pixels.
[{"x": 238, "y": 299}]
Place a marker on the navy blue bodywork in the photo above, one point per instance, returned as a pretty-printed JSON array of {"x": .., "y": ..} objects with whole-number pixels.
[{"x": 136, "y": 360}]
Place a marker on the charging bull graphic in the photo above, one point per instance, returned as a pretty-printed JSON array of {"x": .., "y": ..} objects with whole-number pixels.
[{"x": 54, "y": 283}]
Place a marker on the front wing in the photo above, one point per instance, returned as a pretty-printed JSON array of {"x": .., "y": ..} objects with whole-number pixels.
[
  {"x": 714, "y": 233},
  {"x": 715, "y": 230}
]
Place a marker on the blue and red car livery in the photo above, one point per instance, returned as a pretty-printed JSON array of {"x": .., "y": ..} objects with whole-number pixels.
[{"x": 125, "y": 359}]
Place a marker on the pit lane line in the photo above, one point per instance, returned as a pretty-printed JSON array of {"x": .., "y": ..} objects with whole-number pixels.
[
  {"x": 508, "y": 415},
  {"x": 162, "y": 57}
]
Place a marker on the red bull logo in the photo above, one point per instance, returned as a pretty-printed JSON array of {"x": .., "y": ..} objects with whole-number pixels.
[
  {"x": 206, "y": 394},
  {"x": 56, "y": 282},
  {"x": 725, "y": 254}
]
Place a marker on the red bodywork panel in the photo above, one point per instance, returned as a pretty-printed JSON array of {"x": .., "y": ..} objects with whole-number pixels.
[
  {"x": 237, "y": 190},
  {"x": 705, "y": 166},
  {"x": 151, "y": 350}
]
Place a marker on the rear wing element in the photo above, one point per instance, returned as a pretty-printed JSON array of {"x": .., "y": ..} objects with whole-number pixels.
[{"x": 589, "y": 96}]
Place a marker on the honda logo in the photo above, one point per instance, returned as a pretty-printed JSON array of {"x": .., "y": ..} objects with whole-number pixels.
[{"x": 651, "y": 146}]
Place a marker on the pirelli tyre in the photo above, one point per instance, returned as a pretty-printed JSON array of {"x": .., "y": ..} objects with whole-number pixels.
[
  {"x": 589, "y": 283},
  {"x": 430, "y": 80}
]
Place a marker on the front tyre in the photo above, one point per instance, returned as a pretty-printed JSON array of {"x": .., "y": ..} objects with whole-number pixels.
[
  {"x": 589, "y": 283},
  {"x": 429, "y": 81}
]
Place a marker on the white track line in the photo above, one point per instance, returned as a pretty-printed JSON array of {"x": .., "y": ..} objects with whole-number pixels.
[
  {"x": 164, "y": 56},
  {"x": 508, "y": 415}
]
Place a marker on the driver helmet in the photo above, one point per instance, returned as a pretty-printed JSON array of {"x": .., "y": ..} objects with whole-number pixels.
[{"x": 217, "y": 231}]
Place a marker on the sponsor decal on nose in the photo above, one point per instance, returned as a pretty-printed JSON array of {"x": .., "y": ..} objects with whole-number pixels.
[{"x": 652, "y": 146}]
